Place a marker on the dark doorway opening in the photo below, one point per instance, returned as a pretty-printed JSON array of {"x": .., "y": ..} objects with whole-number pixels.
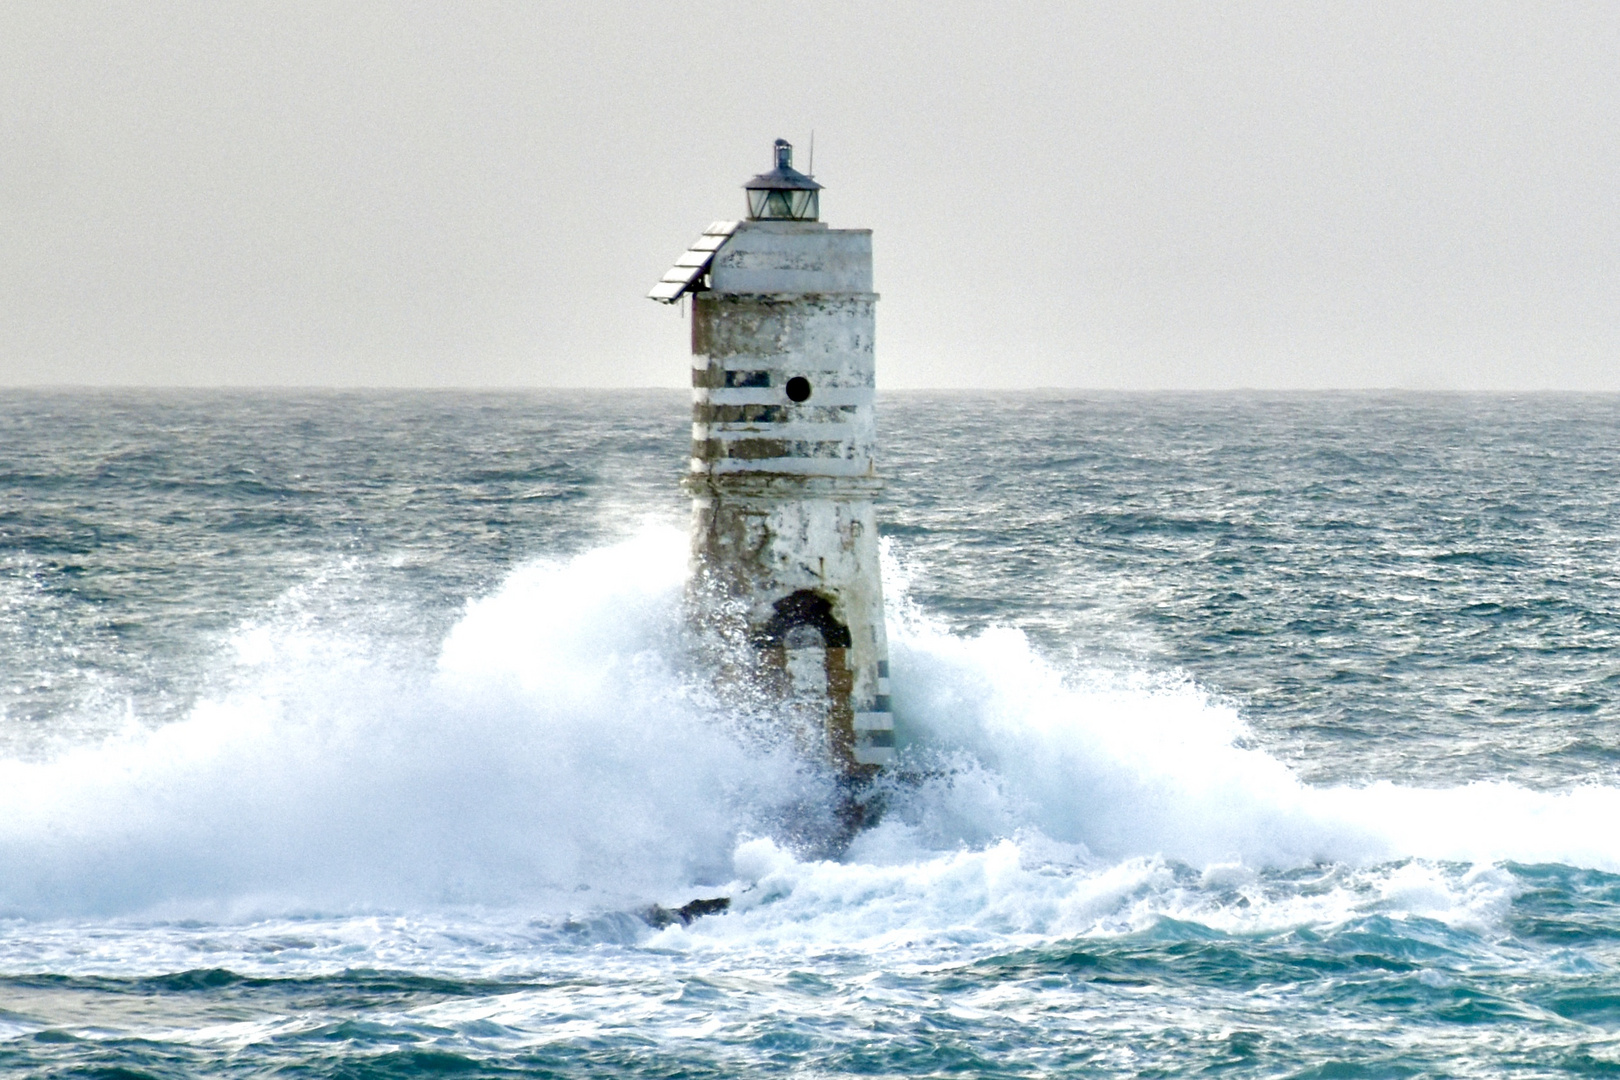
[{"x": 808, "y": 610}]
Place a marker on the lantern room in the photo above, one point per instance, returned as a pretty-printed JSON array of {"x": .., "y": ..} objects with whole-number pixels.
[{"x": 784, "y": 193}]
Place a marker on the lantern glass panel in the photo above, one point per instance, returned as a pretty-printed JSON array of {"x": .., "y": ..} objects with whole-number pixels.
[{"x": 783, "y": 205}]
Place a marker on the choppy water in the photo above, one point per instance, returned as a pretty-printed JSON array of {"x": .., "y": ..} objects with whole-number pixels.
[{"x": 344, "y": 735}]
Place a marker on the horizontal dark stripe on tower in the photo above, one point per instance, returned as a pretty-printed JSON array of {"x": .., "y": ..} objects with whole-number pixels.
[
  {"x": 715, "y": 377},
  {"x": 707, "y": 412},
  {"x": 764, "y": 449}
]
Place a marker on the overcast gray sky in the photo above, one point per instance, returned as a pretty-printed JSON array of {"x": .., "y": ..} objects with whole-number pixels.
[{"x": 1133, "y": 195}]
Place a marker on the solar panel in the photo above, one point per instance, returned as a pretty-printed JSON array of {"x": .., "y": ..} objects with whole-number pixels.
[{"x": 692, "y": 265}]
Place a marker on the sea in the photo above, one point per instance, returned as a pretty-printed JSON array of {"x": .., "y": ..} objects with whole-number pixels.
[{"x": 360, "y": 734}]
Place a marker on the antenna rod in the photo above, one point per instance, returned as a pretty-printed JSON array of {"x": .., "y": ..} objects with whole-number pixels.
[{"x": 812, "y": 171}]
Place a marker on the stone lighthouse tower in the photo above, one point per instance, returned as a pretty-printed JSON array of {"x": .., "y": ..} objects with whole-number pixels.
[{"x": 783, "y": 472}]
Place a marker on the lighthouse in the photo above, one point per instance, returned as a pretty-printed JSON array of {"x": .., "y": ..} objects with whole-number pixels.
[{"x": 783, "y": 469}]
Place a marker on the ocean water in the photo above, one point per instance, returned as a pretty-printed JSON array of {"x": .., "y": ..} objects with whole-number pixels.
[{"x": 350, "y": 735}]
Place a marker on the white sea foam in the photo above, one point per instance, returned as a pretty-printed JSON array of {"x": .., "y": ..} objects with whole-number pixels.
[
  {"x": 557, "y": 756},
  {"x": 552, "y": 749},
  {"x": 1135, "y": 766}
]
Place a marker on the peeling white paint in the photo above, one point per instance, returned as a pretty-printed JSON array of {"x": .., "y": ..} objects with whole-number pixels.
[{"x": 782, "y": 489}]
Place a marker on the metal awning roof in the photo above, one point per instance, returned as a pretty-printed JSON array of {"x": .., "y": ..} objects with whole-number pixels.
[
  {"x": 690, "y": 267},
  {"x": 782, "y": 178}
]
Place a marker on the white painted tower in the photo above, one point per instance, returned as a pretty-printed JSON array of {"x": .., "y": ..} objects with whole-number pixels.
[{"x": 783, "y": 471}]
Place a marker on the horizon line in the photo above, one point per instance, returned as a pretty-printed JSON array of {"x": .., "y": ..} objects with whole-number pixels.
[{"x": 531, "y": 388}]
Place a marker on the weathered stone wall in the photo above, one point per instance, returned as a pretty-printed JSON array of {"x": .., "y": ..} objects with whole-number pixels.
[
  {"x": 783, "y": 525},
  {"x": 793, "y": 257},
  {"x": 749, "y": 348}
]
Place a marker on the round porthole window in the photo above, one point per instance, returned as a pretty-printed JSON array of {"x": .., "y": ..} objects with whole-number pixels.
[{"x": 798, "y": 388}]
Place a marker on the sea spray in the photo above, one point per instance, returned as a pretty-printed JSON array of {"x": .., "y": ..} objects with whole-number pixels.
[
  {"x": 1129, "y": 765},
  {"x": 557, "y": 756},
  {"x": 553, "y": 749}
]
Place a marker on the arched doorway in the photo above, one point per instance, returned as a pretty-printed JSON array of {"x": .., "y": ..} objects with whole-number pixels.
[{"x": 811, "y": 647}]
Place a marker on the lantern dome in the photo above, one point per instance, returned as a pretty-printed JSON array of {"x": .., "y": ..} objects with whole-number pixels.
[{"x": 784, "y": 193}]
